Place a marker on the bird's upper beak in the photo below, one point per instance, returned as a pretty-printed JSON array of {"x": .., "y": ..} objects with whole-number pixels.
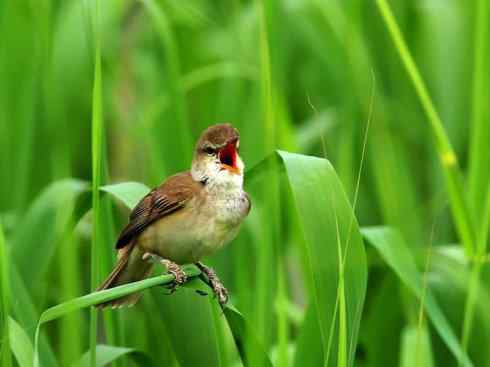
[{"x": 229, "y": 157}]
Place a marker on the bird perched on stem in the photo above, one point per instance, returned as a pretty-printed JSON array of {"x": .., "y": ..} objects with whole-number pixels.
[{"x": 190, "y": 215}]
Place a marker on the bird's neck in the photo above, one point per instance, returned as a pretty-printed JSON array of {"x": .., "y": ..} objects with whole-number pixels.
[
  {"x": 218, "y": 181},
  {"x": 225, "y": 182}
]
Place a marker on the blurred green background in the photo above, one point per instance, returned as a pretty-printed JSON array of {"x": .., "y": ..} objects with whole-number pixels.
[{"x": 305, "y": 76}]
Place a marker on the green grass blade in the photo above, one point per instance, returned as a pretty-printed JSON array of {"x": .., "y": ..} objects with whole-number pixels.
[
  {"x": 416, "y": 348},
  {"x": 474, "y": 279},
  {"x": 382, "y": 323},
  {"x": 152, "y": 334},
  {"x": 267, "y": 255},
  {"x": 283, "y": 333},
  {"x": 479, "y": 156},
  {"x": 395, "y": 253},
  {"x": 214, "y": 72},
  {"x": 400, "y": 197},
  {"x": 484, "y": 227},
  {"x": 447, "y": 157},
  {"x": 70, "y": 286},
  {"x": 95, "y": 298},
  {"x": 97, "y": 132},
  {"x": 206, "y": 325},
  {"x": 421, "y": 351},
  {"x": 91, "y": 299},
  {"x": 21, "y": 344},
  {"x": 454, "y": 292},
  {"x": 469, "y": 310},
  {"x": 245, "y": 336},
  {"x": 309, "y": 347},
  {"x": 479, "y": 159},
  {"x": 108, "y": 354},
  {"x": 5, "y": 288},
  {"x": 46, "y": 220},
  {"x": 342, "y": 345},
  {"x": 130, "y": 193},
  {"x": 322, "y": 205},
  {"x": 27, "y": 316}
]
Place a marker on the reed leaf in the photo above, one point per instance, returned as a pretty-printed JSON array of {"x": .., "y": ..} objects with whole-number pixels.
[{"x": 395, "y": 253}]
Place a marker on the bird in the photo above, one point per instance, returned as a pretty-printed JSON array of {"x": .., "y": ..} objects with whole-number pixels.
[{"x": 191, "y": 215}]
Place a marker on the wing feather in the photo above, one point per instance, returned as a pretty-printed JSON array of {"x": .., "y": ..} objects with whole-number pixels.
[{"x": 164, "y": 200}]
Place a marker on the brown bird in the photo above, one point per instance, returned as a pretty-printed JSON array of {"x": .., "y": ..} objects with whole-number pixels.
[{"x": 190, "y": 215}]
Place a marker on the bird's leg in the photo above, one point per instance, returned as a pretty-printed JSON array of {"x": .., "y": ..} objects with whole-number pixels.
[
  {"x": 172, "y": 268},
  {"x": 215, "y": 283}
]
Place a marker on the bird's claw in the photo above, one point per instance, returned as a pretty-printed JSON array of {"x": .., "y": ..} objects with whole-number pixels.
[
  {"x": 172, "y": 268},
  {"x": 178, "y": 273},
  {"x": 220, "y": 292}
]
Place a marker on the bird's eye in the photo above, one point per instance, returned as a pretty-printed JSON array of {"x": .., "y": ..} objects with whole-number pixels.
[{"x": 209, "y": 150}]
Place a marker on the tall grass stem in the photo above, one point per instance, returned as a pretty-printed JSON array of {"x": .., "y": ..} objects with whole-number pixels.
[{"x": 446, "y": 154}]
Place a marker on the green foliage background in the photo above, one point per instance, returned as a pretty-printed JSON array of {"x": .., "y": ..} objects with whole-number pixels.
[{"x": 99, "y": 97}]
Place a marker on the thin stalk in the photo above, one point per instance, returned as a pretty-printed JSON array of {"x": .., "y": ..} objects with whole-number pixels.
[
  {"x": 97, "y": 126},
  {"x": 420, "y": 322},
  {"x": 446, "y": 154},
  {"x": 282, "y": 317},
  {"x": 342, "y": 348},
  {"x": 358, "y": 311},
  {"x": 479, "y": 155},
  {"x": 106, "y": 253},
  {"x": 70, "y": 326},
  {"x": 469, "y": 312},
  {"x": 479, "y": 160},
  {"x": 221, "y": 350},
  {"x": 340, "y": 304},
  {"x": 474, "y": 283},
  {"x": 5, "y": 356},
  {"x": 266, "y": 283}
]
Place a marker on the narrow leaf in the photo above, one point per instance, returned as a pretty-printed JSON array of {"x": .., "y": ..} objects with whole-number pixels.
[
  {"x": 130, "y": 193},
  {"x": 244, "y": 336},
  {"x": 107, "y": 354},
  {"x": 5, "y": 295},
  {"x": 395, "y": 253},
  {"x": 45, "y": 219},
  {"x": 330, "y": 235},
  {"x": 95, "y": 298},
  {"x": 416, "y": 349},
  {"x": 21, "y": 344}
]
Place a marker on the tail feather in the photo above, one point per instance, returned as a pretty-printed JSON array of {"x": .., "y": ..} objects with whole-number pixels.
[{"x": 130, "y": 267}]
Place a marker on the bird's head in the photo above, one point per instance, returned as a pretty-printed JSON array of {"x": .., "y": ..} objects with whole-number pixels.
[{"x": 216, "y": 156}]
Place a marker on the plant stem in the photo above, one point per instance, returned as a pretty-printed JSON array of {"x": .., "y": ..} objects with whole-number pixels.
[{"x": 446, "y": 154}]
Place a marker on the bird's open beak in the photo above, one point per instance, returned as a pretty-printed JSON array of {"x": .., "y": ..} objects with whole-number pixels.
[{"x": 228, "y": 157}]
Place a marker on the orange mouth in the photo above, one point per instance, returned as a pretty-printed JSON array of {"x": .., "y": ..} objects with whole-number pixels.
[{"x": 228, "y": 157}]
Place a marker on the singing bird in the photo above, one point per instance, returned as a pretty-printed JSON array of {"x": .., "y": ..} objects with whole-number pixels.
[{"x": 189, "y": 216}]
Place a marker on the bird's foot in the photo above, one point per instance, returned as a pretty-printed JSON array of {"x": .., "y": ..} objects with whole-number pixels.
[
  {"x": 215, "y": 283},
  {"x": 172, "y": 268},
  {"x": 177, "y": 271}
]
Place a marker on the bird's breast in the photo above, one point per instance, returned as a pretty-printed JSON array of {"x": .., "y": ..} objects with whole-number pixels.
[
  {"x": 223, "y": 214},
  {"x": 203, "y": 226}
]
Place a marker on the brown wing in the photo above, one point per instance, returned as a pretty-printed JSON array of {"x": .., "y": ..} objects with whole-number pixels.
[{"x": 169, "y": 197}]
